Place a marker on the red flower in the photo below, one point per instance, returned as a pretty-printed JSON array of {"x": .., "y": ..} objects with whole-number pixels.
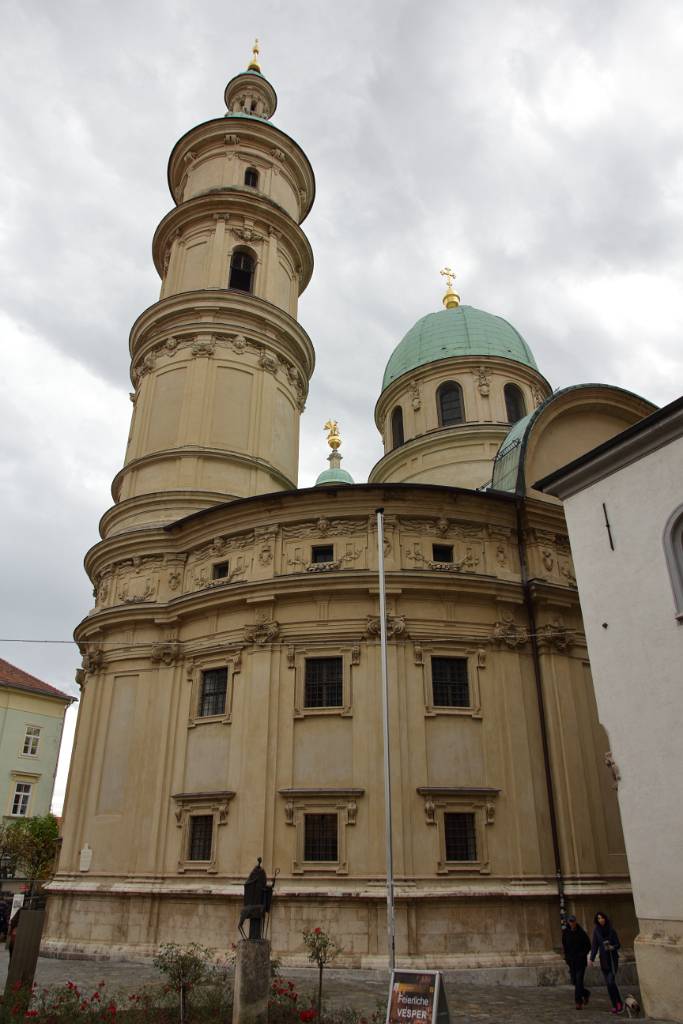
[{"x": 316, "y": 931}]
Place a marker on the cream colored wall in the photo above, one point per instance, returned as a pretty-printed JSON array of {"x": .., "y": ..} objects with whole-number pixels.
[
  {"x": 461, "y": 455},
  {"x": 274, "y": 610},
  {"x": 19, "y": 709}
]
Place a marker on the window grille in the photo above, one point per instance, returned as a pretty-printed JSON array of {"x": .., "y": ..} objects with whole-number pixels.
[
  {"x": 221, "y": 570},
  {"x": 201, "y": 837},
  {"x": 323, "y": 683},
  {"x": 320, "y": 837},
  {"x": 450, "y": 685},
  {"x": 213, "y": 692},
  {"x": 442, "y": 552},
  {"x": 31, "y": 740},
  {"x": 397, "y": 436},
  {"x": 322, "y": 553},
  {"x": 450, "y": 407},
  {"x": 241, "y": 271},
  {"x": 514, "y": 403},
  {"x": 460, "y": 835},
  {"x": 22, "y": 795},
  {"x": 251, "y": 176}
]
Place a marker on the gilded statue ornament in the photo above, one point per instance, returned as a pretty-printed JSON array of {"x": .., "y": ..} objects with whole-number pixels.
[{"x": 333, "y": 438}]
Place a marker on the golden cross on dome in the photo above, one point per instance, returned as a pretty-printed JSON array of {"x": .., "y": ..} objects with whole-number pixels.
[
  {"x": 451, "y": 299},
  {"x": 449, "y": 275},
  {"x": 254, "y": 64},
  {"x": 333, "y": 438}
]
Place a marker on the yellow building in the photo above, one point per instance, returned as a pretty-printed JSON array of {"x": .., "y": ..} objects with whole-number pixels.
[{"x": 231, "y": 702}]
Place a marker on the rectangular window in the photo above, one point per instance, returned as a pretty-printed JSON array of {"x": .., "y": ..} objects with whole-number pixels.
[
  {"x": 31, "y": 740},
  {"x": 323, "y": 683},
  {"x": 320, "y": 837},
  {"x": 450, "y": 686},
  {"x": 221, "y": 570},
  {"x": 322, "y": 553},
  {"x": 201, "y": 837},
  {"x": 22, "y": 795},
  {"x": 460, "y": 835},
  {"x": 213, "y": 692},
  {"x": 442, "y": 552}
]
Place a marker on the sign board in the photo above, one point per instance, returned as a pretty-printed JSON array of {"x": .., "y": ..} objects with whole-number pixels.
[
  {"x": 17, "y": 902},
  {"x": 417, "y": 997}
]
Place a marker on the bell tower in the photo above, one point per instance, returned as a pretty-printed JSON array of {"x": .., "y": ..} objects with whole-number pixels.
[{"x": 220, "y": 365}]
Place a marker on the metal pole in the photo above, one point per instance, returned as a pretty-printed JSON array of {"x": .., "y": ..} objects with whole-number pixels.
[{"x": 391, "y": 919}]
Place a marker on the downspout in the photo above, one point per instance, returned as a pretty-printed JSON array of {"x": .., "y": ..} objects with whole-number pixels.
[{"x": 531, "y": 618}]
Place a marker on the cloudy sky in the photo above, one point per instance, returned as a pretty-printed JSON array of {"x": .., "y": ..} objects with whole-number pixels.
[{"x": 536, "y": 147}]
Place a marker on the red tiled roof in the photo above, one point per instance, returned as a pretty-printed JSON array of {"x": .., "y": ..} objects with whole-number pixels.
[{"x": 15, "y": 677}]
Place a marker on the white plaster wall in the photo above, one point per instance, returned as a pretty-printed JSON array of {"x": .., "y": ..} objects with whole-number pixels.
[{"x": 637, "y": 662}]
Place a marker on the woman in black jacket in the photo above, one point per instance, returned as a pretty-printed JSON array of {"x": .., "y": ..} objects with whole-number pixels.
[
  {"x": 577, "y": 946},
  {"x": 606, "y": 945}
]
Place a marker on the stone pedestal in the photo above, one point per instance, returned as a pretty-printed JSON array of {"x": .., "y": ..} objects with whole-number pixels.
[
  {"x": 659, "y": 955},
  {"x": 252, "y": 983}
]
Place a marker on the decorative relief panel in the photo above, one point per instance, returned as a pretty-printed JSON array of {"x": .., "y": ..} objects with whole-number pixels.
[
  {"x": 263, "y": 632},
  {"x": 137, "y": 579},
  {"x": 396, "y": 627},
  {"x": 507, "y": 632},
  {"x": 200, "y": 563}
]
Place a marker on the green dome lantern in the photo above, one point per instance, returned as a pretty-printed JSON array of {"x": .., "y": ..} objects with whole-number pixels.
[
  {"x": 457, "y": 331},
  {"x": 335, "y": 474}
]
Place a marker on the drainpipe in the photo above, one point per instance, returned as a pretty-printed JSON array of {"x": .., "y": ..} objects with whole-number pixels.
[{"x": 531, "y": 618}]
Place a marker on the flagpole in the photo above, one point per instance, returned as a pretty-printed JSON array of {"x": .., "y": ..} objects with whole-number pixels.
[{"x": 391, "y": 919}]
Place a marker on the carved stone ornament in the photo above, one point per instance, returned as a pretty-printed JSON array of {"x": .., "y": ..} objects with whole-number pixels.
[
  {"x": 482, "y": 381},
  {"x": 418, "y": 654},
  {"x": 614, "y": 768},
  {"x": 430, "y": 811},
  {"x": 278, "y": 154},
  {"x": 239, "y": 342},
  {"x": 268, "y": 360},
  {"x": 80, "y": 677},
  {"x": 291, "y": 656},
  {"x": 509, "y": 633},
  {"x": 355, "y": 654},
  {"x": 262, "y": 632},
  {"x": 536, "y": 394},
  {"x": 396, "y": 626},
  {"x": 247, "y": 235},
  {"x": 231, "y": 140},
  {"x": 415, "y": 399},
  {"x": 175, "y": 578},
  {"x": 556, "y": 635},
  {"x": 203, "y": 347},
  {"x": 93, "y": 660},
  {"x": 166, "y": 652}
]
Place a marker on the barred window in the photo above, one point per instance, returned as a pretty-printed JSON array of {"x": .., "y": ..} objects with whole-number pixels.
[
  {"x": 31, "y": 740},
  {"x": 22, "y": 795},
  {"x": 213, "y": 692},
  {"x": 200, "y": 837},
  {"x": 251, "y": 174},
  {"x": 450, "y": 685},
  {"x": 460, "y": 835},
  {"x": 322, "y": 553},
  {"x": 221, "y": 570},
  {"x": 323, "y": 683},
  {"x": 449, "y": 404},
  {"x": 320, "y": 837},
  {"x": 241, "y": 271},
  {"x": 442, "y": 552}
]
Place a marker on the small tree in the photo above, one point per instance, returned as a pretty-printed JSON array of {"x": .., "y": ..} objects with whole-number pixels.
[
  {"x": 321, "y": 949},
  {"x": 32, "y": 843},
  {"x": 185, "y": 967}
]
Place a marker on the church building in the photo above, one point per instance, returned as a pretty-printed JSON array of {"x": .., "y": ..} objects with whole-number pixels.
[{"x": 231, "y": 687}]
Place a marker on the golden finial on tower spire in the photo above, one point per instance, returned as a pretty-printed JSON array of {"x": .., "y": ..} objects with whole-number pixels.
[
  {"x": 253, "y": 63},
  {"x": 451, "y": 299},
  {"x": 333, "y": 438}
]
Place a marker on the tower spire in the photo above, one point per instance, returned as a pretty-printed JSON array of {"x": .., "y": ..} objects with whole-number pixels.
[{"x": 253, "y": 63}]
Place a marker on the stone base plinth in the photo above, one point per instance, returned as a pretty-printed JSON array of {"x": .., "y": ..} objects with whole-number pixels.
[
  {"x": 252, "y": 983},
  {"x": 659, "y": 955}
]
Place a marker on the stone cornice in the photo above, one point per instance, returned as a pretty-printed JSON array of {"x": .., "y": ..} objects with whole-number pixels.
[
  {"x": 438, "y": 439},
  {"x": 231, "y": 311}
]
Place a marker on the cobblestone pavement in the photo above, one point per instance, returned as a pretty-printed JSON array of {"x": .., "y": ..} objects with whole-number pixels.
[{"x": 363, "y": 990}]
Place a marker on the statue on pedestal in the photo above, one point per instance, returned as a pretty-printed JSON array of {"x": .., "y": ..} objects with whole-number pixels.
[{"x": 258, "y": 899}]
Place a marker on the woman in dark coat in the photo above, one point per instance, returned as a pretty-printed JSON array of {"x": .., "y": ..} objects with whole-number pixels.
[
  {"x": 606, "y": 945},
  {"x": 577, "y": 946}
]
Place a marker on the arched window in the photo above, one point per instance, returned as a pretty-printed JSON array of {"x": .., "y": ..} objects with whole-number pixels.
[
  {"x": 251, "y": 177},
  {"x": 241, "y": 271},
  {"x": 673, "y": 552},
  {"x": 397, "y": 438},
  {"x": 449, "y": 404},
  {"x": 514, "y": 403}
]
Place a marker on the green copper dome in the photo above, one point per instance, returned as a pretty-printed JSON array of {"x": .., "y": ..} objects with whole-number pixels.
[
  {"x": 463, "y": 331},
  {"x": 334, "y": 476}
]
